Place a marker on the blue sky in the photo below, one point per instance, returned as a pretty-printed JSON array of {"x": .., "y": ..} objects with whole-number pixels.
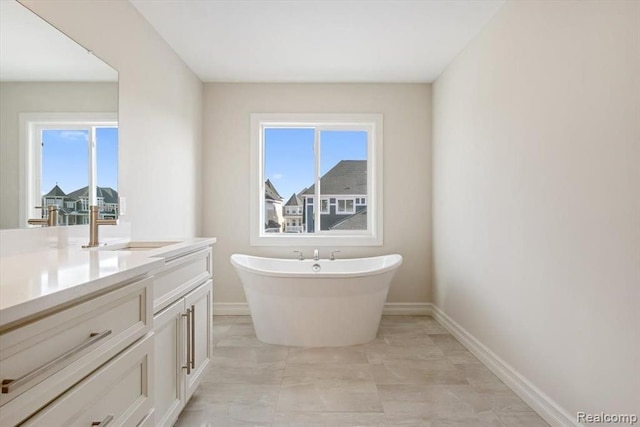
[
  {"x": 289, "y": 158},
  {"x": 65, "y": 159}
]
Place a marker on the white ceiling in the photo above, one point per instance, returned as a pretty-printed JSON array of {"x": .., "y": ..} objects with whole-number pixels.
[
  {"x": 318, "y": 41},
  {"x": 33, "y": 50}
]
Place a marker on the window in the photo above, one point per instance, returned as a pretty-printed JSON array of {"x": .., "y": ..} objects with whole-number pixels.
[
  {"x": 346, "y": 206},
  {"x": 63, "y": 156},
  {"x": 333, "y": 159},
  {"x": 324, "y": 206}
]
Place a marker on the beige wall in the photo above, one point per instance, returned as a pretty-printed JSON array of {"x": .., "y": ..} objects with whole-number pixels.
[
  {"x": 537, "y": 197},
  {"x": 26, "y": 97},
  {"x": 407, "y": 172},
  {"x": 160, "y": 109}
]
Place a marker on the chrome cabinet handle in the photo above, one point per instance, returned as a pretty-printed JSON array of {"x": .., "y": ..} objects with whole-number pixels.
[
  {"x": 55, "y": 365},
  {"x": 193, "y": 337},
  {"x": 188, "y": 316},
  {"x": 104, "y": 422}
]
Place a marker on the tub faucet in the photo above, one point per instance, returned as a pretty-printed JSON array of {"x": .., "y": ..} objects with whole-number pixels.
[
  {"x": 300, "y": 255},
  {"x": 316, "y": 255}
]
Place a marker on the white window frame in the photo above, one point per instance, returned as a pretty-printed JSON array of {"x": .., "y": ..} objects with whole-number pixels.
[
  {"x": 31, "y": 126},
  {"x": 373, "y": 124},
  {"x": 345, "y": 212},
  {"x": 328, "y": 206}
]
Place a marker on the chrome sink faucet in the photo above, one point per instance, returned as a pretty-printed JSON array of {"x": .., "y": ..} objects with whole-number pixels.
[
  {"x": 316, "y": 255},
  {"x": 94, "y": 223}
]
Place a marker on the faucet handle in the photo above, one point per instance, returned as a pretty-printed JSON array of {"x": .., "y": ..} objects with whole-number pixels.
[
  {"x": 332, "y": 257},
  {"x": 301, "y": 256}
]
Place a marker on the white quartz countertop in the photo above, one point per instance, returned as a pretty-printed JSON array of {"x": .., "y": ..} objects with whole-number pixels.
[{"x": 38, "y": 282}]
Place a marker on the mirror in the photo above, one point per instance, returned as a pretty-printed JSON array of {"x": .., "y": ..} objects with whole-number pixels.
[{"x": 58, "y": 124}]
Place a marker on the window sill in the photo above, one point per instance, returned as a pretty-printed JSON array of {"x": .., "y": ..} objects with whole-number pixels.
[{"x": 297, "y": 240}]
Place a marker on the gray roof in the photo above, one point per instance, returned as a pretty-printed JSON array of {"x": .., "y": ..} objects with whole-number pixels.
[
  {"x": 270, "y": 192},
  {"x": 357, "y": 221},
  {"x": 346, "y": 177},
  {"x": 294, "y": 200},
  {"x": 55, "y": 192},
  {"x": 107, "y": 193}
]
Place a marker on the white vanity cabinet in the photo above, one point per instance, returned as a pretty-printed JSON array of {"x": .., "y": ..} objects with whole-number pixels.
[
  {"x": 91, "y": 360},
  {"x": 183, "y": 294}
]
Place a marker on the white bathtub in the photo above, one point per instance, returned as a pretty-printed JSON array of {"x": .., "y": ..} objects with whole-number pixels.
[{"x": 339, "y": 305}]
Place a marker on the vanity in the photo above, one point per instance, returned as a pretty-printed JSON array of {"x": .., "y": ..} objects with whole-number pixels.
[{"x": 118, "y": 335}]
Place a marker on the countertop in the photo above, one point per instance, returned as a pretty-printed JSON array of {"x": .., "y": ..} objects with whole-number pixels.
[{"x": 38, "y": 282}]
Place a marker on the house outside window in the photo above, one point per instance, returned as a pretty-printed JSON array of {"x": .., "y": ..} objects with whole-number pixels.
[{"x": 335, "y": 159}]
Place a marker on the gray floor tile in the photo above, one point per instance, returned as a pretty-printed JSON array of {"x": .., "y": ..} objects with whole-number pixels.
[{"x": 413, "y": 374}]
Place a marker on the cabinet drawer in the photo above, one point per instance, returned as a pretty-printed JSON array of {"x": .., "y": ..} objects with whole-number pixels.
[
  {"x": 179, "y": 276},
  {"x": 41, "y": 360},
  {"x": 118, "y": 392}
]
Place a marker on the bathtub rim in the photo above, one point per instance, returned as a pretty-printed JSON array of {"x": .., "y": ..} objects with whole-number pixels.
[{"x": 311, "y": 275}]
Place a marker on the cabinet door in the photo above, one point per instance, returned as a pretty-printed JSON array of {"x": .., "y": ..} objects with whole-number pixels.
[
  {"x": 120, "y": 393},
  {"x": 199, "y": 302},
  {"x": 169, "y": 344}
]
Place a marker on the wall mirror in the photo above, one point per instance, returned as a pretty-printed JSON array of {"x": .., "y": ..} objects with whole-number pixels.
[{"x": 58, "y": 124}]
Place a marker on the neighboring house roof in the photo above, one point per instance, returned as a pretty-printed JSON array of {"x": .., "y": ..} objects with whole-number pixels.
[
  {"x": 357, "y": 221},
  {"x": 270, "y": 192},
  {"x": 346, "y": 177},
  {"x": 108, "y": 194},
  {"x": 55, "y": 192},
  {"x": 294, "y": 200}
]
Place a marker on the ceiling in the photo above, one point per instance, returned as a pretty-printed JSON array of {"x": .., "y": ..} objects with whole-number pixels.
[
  {"x": 318, "y": 41},
  {"x": 33, "y": 50}
]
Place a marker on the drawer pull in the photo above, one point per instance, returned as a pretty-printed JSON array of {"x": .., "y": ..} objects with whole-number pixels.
[
  {"x": 104, "y": 422},
  {"x": 188, "y": 340},
  {"x": 55, "y": 365},
  {"x": 193, "y": 337}
]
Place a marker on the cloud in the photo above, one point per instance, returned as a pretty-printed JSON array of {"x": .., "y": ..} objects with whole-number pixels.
[
  {"x": 277, "y": 176},
  {"x": 74, "y": 135}
]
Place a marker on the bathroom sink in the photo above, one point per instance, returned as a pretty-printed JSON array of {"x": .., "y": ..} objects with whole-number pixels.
[{"x": 137, "y": 246}]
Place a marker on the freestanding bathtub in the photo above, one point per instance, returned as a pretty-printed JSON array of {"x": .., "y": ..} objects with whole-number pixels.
[{"x": 316, "y": 303}]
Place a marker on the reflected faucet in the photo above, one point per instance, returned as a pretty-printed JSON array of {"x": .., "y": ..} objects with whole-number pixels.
[
  {"x": 316, "y": 255},
  {"x": 50, "y": 221},
  {"x": 94, "y": 223}
]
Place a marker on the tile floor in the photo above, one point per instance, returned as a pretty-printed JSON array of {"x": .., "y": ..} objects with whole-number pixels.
[{"x": 413, "y": 374}]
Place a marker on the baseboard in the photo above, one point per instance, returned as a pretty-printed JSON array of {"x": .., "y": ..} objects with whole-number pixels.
[
  {"x": 230, "y": 309},
  {"x": 390, "y": 309},
  {"x": 534, "y": 397},
  {"x": 407, "y": 309}
]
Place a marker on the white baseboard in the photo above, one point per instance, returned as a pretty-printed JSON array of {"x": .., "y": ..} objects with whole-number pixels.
[
  {"x": 390, "y": 309},
  {"x": 534, "y": 397},
  {"x": 230, "y": 309},
  {"x": 407, "y": 309}
]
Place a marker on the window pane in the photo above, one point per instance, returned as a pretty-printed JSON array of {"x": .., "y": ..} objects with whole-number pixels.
[
  {"x": 288, "y": 176},
  {"x": 343, "y": 171},
  {"x": 65, "y": 161},
  {"x": 107, "y": 165}
]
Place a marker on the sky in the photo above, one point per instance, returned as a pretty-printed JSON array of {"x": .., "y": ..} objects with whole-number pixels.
[
  {"x": 65, "y": 159},
  {"x": 289, "y": 158}
]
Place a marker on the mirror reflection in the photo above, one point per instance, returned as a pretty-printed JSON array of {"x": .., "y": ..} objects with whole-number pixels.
[{"x": 58, "y": 125}]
